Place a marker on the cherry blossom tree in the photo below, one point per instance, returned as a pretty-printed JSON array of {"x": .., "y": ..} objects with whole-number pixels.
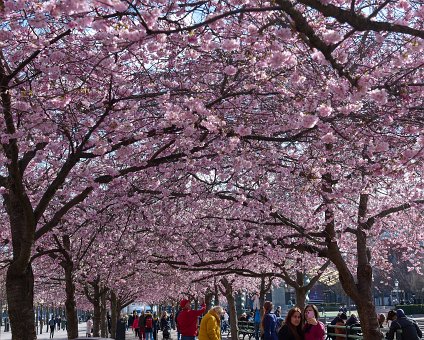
[
  {"x": 300, "y": 114},
  {"x": 69, "y": 123}
]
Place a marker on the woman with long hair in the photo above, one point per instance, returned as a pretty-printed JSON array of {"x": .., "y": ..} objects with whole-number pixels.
[
  {"x": 269, "y": 322},
  {"x": 135, "y": 325},
  {"x": 313, "y": 329},
  {"x": 292, "y": 328}
]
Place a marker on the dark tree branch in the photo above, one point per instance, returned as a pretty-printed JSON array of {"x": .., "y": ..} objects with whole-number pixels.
[
  {"x": 29, "y": 155},
  {"x": 370, "y": 222},
  {"x": 61, "y": 212},
  {"x": 360, "y": 22},
  {"x": 24, "y": 63}
]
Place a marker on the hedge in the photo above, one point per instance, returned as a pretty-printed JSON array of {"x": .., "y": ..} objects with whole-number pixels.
[{"x": 412, "y": 309}]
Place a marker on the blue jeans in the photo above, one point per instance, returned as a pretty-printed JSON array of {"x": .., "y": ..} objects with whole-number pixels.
[
  {"x": 149, "y": 335},
  {"x": 184, "y": 337},
  {"x": 257, "y": 330}
]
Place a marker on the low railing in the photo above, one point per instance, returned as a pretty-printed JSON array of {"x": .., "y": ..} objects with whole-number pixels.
[
  {"x": 353, "y": 332},
  {"x": 246, "y": 328}
]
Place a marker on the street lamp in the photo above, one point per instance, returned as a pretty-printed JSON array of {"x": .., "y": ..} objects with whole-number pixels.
[
  {"x": 397, "y": 290},
  {"x": 41, "y": 316}
]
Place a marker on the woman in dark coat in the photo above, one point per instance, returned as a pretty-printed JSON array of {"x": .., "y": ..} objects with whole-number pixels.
[
  {"x": 269, "y": 322},
  {"x": 121, "y": 327},
  {"x": 292, "y": 328}
]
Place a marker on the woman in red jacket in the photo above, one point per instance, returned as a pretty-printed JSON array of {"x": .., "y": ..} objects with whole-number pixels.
[
  {"x": 135, "y": 325},
  {"x": 313, "y": 329}
]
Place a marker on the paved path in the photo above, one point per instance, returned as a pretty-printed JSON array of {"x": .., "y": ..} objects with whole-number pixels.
[
  {"x": 58, "y": 335},
  {"x": 62, "y": 335}
]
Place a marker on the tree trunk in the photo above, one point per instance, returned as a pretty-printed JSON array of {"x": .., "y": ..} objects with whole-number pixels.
[
  {"x": 103, "y": 323},
  {"x": 364, "y": 300},
  {"x": 233, "y": 316},
  {"x": 41, "y": 320},
  {"x": 264, "y": 288},
  {"x": 20, "y": 295},
  {"x": 70, "y": 304},
  {"x": 300, "y": 297},
  {"x": 97, "y": 311},
  {"x": 361, "y": 292},
  {"x": 216, "y": 295},
  {"x": 19, "y": 276},
  {"x": 369, "y": 322},
  {"x": 232, "y": 308},
  {"x": 114, "y": 313},
  {"x": 208, "y": 299}
]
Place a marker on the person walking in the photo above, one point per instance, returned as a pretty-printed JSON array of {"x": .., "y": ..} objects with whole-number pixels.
[
  {"x": 176, "y": 324},
  {"x": 269, "y": 322},
  {"x": 292, "y": 328},
  {"x": 187, "y": 320},
  {"x": 135, "y": 325},
  {"x": 172, "y": 320},
  {"x": 52, "y": 324},
  {"x": 256, "y": 323},
  {"x": 225, "y": 322},
  {"x": 89, "y": 325},
  {"x": 156, "y": 326},
  {"x": 148, "y": 325},
  {"x": 131, "y": 319},
  {"x": 210, "y": 326},
  {"x": 40, "y": 320},
  {"x": 141, "y": 334},
  {"x": 165, "y": 325},
  {"x": 121, "y": 327},
  {"x": 58, "y": 322}
]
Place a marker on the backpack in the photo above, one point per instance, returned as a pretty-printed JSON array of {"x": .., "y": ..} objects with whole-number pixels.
[
  {"x": 52, "y": 322},
  {"x": 148, "y": 322}
]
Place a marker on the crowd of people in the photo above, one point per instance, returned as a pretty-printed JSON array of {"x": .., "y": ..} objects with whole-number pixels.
[
  {"x": 147, "y": 324},
  {"x": 55, "y": 323},
  {"x": 297, "y": 325},
  {"x": 394, "y": 321}
]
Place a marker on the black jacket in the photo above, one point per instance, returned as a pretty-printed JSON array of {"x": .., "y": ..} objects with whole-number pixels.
[
  {"x": 165, "y": 324},
  {"x": 285, "y": 333},
  {"x": 410, "y": 329}
]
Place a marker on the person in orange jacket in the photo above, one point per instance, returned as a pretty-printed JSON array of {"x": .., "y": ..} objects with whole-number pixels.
[{"x": 210, "y": 326}]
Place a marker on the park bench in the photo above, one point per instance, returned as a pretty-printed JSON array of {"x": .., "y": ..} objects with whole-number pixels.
[
  {"x": 353, "y": 332},
  {"x": 246, "y": 328}
]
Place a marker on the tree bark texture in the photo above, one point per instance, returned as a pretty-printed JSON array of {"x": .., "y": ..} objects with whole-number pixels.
[
  {"x": 114, "y": 313},
  {"x": 208, "y": 299},
  {"x": 20, "y": 295},
  {"x": 359, "y": 290},
  {"x": 70, "y": 303},
  {"x": 103, "y": 323},
  {"x": 20, "y": 277},
  {"x": 228, "y": 292},
  {"x": 97, "y": 311},
  {"x": 300, "y": 297}
]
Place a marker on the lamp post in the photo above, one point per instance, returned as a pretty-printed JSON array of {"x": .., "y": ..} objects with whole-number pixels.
[
  {"x": 41, "y": 316},
  {"x": 397, "y": 290}
]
